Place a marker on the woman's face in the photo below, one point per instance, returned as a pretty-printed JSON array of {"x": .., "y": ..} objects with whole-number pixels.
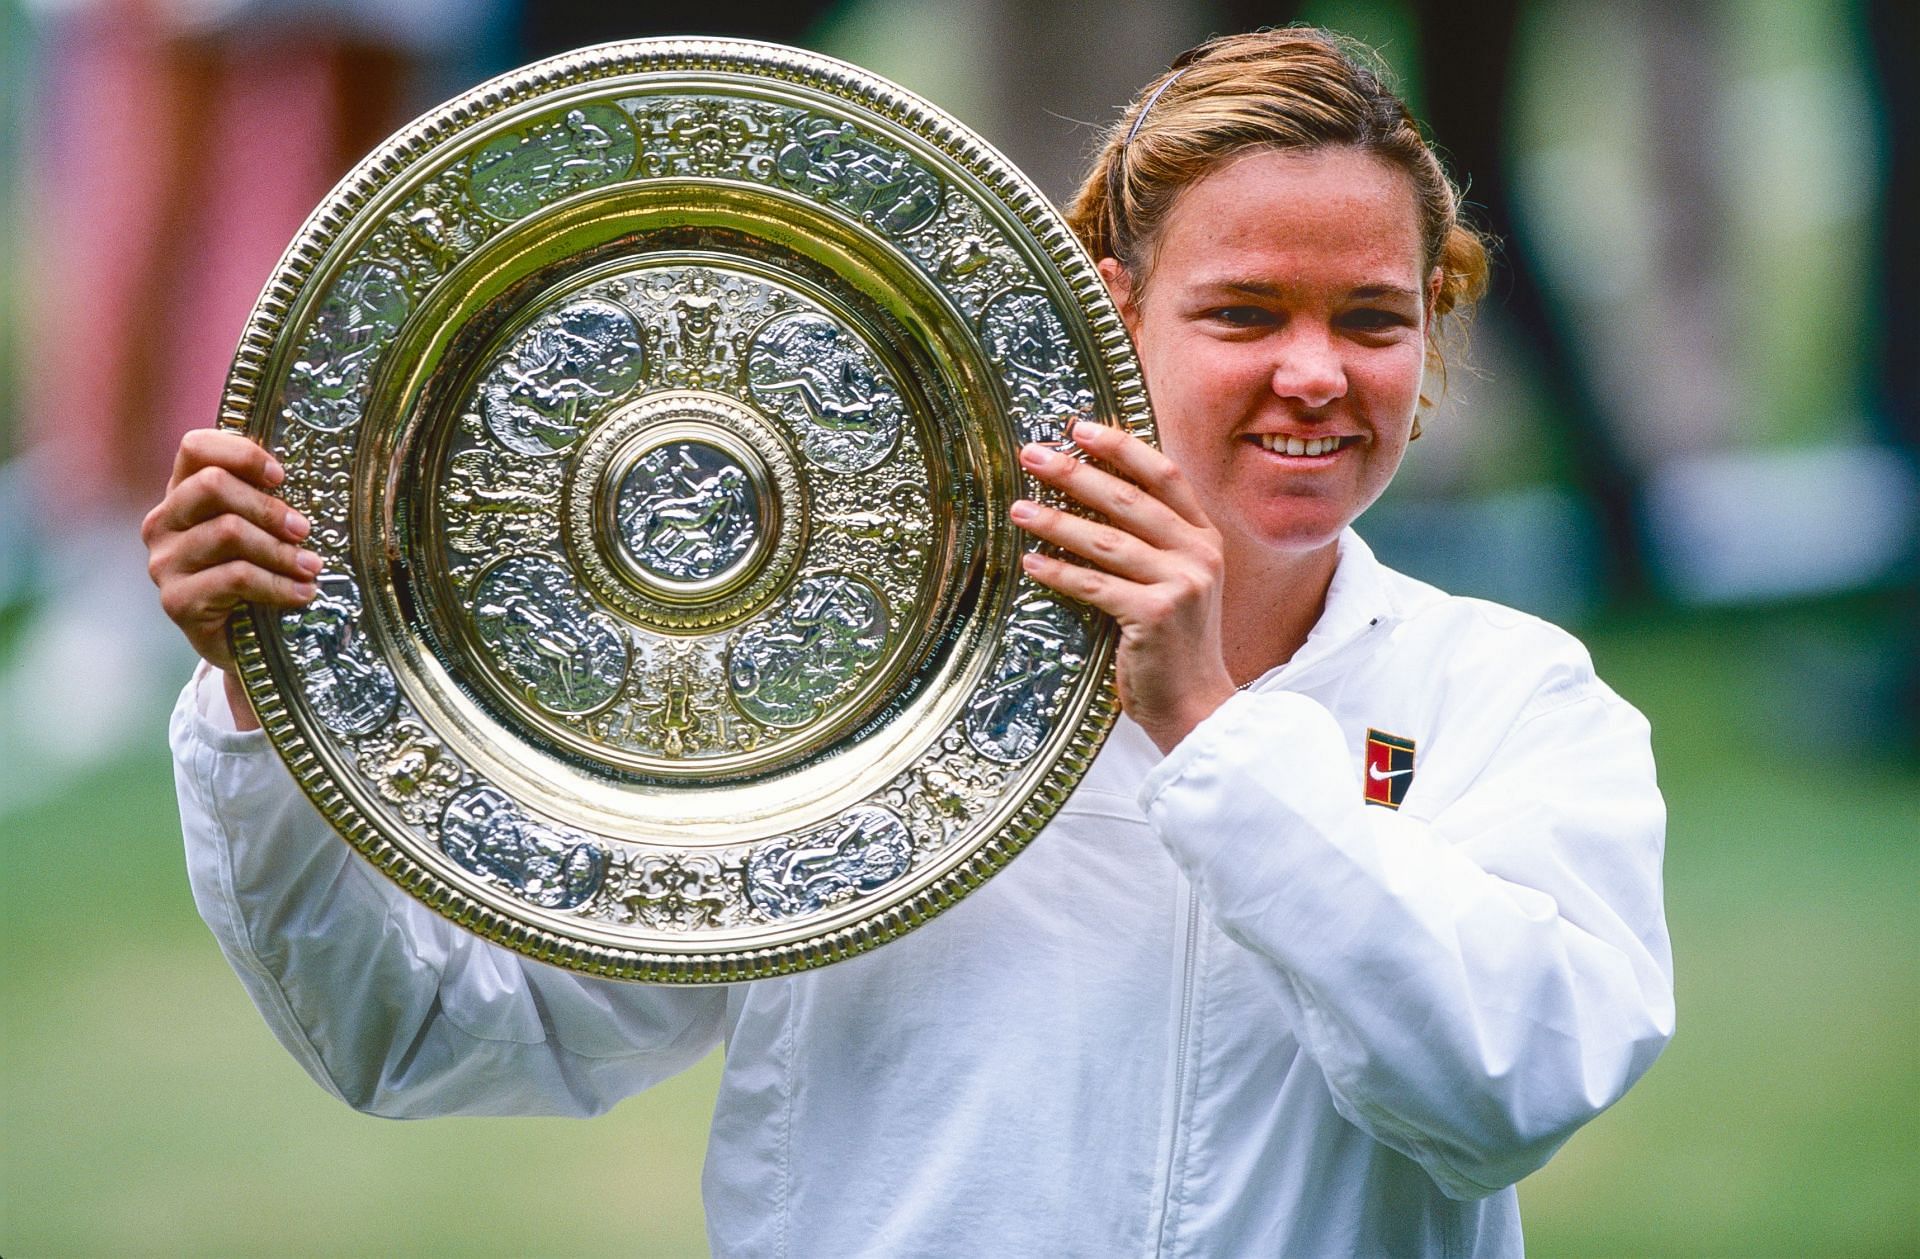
[{"x": 1283, "y": 331}]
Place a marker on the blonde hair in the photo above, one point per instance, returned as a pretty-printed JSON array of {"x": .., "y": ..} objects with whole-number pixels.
[{"x": 1290, "y": 89}]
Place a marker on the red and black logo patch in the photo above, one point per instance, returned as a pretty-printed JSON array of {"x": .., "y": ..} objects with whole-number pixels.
[{"x": 1389, "y": 768}]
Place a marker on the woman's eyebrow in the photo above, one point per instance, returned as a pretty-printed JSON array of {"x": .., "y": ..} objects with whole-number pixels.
[
  {"x": 1369, "y": 291},
  {"x": 1268, "y": 289}
]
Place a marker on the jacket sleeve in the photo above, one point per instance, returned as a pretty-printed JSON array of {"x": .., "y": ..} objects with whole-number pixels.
[
  {"x": 388, "y": 1006},
  {"x": 1474, "y": 987}
]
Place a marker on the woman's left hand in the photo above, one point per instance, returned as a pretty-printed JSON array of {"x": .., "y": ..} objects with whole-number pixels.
[{"x": 1157, "y": 569}]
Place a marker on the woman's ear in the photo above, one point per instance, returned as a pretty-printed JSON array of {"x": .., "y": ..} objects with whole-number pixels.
[
  {"x": 1433, "y": 301},
  {"x": 1120, "y": 289}
]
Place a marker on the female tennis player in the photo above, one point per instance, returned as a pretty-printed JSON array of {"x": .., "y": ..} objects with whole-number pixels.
[{"x": 1354, "y": 920}]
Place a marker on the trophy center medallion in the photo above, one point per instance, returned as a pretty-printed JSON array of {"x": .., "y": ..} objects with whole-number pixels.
[{"x": 688, "y": 513}]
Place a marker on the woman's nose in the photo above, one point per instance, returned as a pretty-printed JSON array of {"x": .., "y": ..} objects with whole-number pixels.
[{"x": 1308, "y": 369}]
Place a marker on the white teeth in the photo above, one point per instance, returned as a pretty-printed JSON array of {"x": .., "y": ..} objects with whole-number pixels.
[{"x": 1310, "y": 446}]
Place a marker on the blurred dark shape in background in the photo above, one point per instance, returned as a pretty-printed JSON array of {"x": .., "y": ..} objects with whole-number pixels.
[
  {"x": 1893, "y": 39},
  {"x": 556, "y": 26}
]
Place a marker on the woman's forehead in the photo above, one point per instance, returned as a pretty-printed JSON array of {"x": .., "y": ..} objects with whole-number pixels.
[{"x": 1270, "y": 216}]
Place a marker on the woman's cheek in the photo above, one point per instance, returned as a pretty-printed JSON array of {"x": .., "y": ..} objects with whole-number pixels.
[{"x": 1392, "y": 383}]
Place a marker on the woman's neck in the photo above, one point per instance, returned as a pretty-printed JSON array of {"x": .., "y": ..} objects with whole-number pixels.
[{"x": 1270, "y": 603}]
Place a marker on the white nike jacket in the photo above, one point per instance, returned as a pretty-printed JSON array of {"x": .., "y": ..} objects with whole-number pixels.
[{"x": 1221, "y": 1007}]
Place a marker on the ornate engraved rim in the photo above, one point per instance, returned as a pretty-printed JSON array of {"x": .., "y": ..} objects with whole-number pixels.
[{"x": 248, "y": 395}]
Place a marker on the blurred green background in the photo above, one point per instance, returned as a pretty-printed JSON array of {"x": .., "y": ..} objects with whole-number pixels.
[{"x": 1770, "y": 637}]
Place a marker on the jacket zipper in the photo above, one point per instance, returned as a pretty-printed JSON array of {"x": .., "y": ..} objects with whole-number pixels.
[
  {"x": 1187, "y": 968},
  {"x": 1189, "y": 959}
]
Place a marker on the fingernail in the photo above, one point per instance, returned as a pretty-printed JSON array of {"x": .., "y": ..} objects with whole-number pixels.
[
  {"x": 1035, "y": 456},
  {"x": 308, "y": 562},
  {"x": 1082, "y": 430},
  {"x": 304, "y": 590},
  {"x": 1030, "y": 561},
  {"x": 297, "y": 525},
  {"x": 275, "y": 473},
  {"x": 1023, "y": 511}
]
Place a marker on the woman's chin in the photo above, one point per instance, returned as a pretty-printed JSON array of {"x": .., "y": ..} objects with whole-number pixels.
[{"x": 1298, "y": 533}]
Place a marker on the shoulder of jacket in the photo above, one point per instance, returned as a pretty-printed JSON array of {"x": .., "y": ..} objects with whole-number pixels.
[{"x": 1477, "y": 637}]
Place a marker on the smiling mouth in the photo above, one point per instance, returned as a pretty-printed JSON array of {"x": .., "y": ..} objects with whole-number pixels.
[{"x": 1281, "y": 444}]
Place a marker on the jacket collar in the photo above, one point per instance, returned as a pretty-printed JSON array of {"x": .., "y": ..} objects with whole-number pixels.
[{"x": 1365, "y": 598}]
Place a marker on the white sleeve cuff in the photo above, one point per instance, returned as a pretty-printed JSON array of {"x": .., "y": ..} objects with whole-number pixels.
[
  {"x": 1249, "y": 720},
  {"x": 1197, "y": 742},
  {"x": 212, "y": 717}
]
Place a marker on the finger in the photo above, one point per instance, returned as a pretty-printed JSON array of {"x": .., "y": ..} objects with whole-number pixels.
[
  {"x": 1126, "y": 504},
  {"x": 220, "y": 448},
  {"x": 230, "y": 537},
  {"x": 1142, "y": 464},
  {"x": 1113, "y": 595},
  {"x": 209, "y": 596},
  {"x": 214, "y": 491},
  {"x": 1114, "y": 550}
]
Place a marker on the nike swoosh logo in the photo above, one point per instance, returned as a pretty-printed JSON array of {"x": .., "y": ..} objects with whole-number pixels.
[{"x": 1373, "y": 772}]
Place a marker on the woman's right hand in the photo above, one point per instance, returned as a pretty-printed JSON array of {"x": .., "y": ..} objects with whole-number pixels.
[{"x": 219, "y": 539}]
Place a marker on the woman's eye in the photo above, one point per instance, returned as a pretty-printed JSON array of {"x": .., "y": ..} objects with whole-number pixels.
[
  {"x": 1372, "y": 319},
  {"x": 1243, "y": 316}
]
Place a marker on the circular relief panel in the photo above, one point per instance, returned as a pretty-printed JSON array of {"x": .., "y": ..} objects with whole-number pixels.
[{"x": 656, "y": 409}]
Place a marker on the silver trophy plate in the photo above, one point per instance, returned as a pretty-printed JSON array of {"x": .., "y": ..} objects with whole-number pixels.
[{"x": 656, "y": 410}]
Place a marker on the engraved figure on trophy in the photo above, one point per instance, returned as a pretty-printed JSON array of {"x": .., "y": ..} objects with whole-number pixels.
[
  {"x": 1024, "y": 336},
  {"x": 680, "y": 892},
  {"x": 587, "y": 143},
  {"x": 968, "y": 256},
  {"x": 328, "y": 383},
  {"x": 865, "y": 848},
  {"x": 1009, "y": 717},
  {"x": 789, "y": 666},
  {"x": 491, "y": 500},
  {"x": 319, "y": 484},
  {"x": 706, "y": 136},
  {"x": 570, "y": 659},
  {"x": 899, "y": 534},
  {"x": 818, "y": 375},
  {"x": 687, "y": 511},
  {"x": 838, "y": 163},
  {"x": 351, "y": 689},
  {"x": 439, "y": 226},
  {"x": 673, "y": 705},
  {"x": 410, "y": 768},
  {"x": 581, "y": 353},
  {"x": 586, "y": 147},
  {"x": 934, "y": 804},
  {"x": 695, "y": 340},
  {"x": 555, "y": 869}
]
